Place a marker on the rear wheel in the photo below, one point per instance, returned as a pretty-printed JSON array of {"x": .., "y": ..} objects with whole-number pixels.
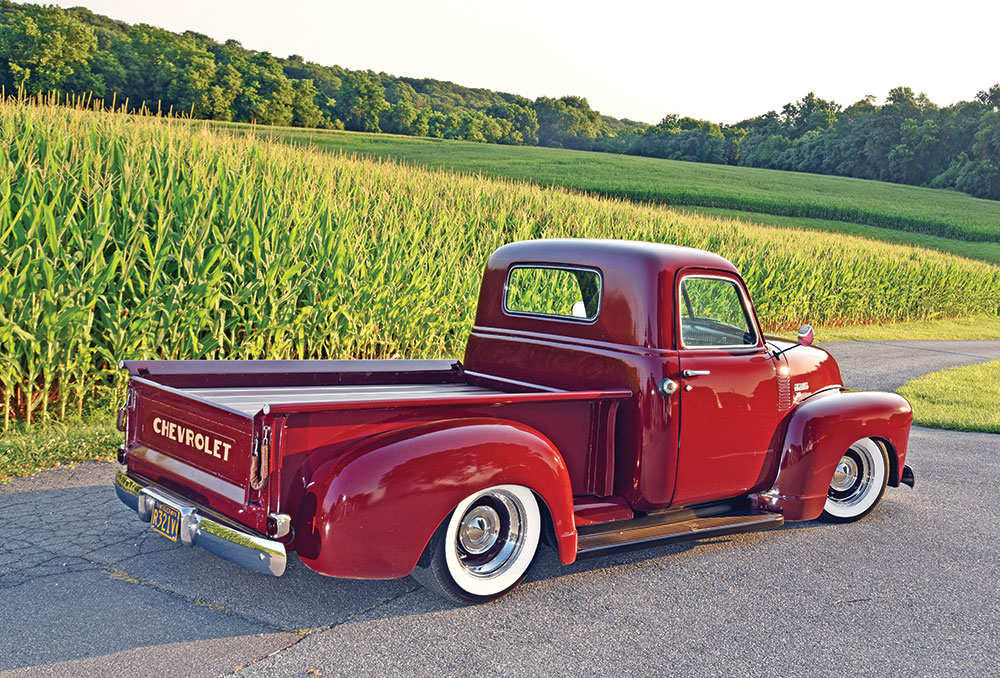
[
  {"x": 858, "y": 482},
  {"x": 483, "y": 549}
]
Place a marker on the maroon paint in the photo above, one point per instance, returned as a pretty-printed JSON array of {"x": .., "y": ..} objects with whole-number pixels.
[
  {"x": 311, "y": 439},
  {"x": 590, "y": 510},
  {"x": 728, "y": 416},
  {"x": 727, "y": 423},
  {"x": 171, "y": 464},
  {"x": 634, "y": 344}
]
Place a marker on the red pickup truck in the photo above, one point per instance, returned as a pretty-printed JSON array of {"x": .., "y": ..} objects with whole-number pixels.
[{"x": 612, "y": 395}]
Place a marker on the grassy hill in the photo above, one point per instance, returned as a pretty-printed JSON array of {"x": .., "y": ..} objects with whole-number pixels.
[
  {"x": 125, "y": 237},
  {"x": 984, "y": 251},
  {"x": 933, "y": 212}
]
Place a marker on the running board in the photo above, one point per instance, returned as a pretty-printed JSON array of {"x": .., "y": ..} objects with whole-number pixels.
[{"x": 666, "y": 527}]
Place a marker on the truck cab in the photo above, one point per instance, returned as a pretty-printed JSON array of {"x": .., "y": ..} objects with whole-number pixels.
[
  {"x": 612, "y": 394},
  {"x": 667, "y": 319}
]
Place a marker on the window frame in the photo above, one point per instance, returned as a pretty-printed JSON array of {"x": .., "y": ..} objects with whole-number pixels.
[
  {"x": 744, "y": 298},
  {"x": 552, "y": 316}
]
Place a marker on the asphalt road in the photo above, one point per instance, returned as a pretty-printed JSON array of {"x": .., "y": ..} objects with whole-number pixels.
[{"x": 86, "y": 589}]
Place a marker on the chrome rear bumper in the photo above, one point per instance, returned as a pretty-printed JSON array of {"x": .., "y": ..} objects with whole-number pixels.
[{"x": 197, "y": 529}]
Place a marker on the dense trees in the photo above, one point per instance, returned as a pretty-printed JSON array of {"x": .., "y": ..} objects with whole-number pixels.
[
  {"x": 49, "y": 46},
  {"x": 683, "y": 139},
  {"x": 907, "y": 139}
]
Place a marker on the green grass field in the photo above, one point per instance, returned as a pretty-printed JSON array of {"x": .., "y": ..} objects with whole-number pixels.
[
  {"x": 934, "y": 212},
  {"x": 30, "y": 450},
  {"x": 970, "y": 328},
  {"x": 984, "y": 251},
  {"x": 959, "y": 398}
]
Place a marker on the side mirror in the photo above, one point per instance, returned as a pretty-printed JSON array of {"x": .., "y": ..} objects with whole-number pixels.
[{"x": 806, "y": 335}]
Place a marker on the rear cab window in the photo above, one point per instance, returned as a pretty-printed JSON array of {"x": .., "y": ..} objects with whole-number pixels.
[
  {"x": 554, "y": 292},
  {"x": 714, "y": 313}
]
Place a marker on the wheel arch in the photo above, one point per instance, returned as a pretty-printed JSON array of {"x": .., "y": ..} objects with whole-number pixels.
[
  {"x": 819, "y": 430},
  {"x": 393, "y": 491},
  {"x": 894, "y": 463}
]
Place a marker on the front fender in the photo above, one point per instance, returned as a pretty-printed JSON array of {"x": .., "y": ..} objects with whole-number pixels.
[
  {"x": 370, "y": 512},
  {"x": 819, "y": 431}
]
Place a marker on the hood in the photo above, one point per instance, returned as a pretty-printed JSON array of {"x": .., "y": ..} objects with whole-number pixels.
[{"x": 809, "y": 369}]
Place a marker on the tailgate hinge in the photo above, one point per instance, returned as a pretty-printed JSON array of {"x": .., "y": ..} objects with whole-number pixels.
[
  {"x": 261, "y": 461},
  {"x": 127, "y": 407}
]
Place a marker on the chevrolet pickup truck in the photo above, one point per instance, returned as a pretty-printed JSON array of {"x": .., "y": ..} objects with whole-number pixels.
[{"x": 612, "y": 395}]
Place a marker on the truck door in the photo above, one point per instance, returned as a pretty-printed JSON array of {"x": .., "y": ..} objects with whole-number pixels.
[{"x": 728, "y": 390}]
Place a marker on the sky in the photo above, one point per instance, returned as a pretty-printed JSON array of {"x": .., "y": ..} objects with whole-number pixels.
[{"x": 721, "y": 61}]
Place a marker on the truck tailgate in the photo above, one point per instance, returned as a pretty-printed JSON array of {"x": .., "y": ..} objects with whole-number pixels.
[{"x": 199, "y": 450}]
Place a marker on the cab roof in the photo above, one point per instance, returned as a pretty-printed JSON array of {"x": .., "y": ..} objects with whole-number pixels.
[
  {"x": 637, "y": 282},
  {"x": 600, "y": 253}
]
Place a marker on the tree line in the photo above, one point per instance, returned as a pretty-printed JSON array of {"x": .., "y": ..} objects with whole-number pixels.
[{"x": 906, "y": 139}]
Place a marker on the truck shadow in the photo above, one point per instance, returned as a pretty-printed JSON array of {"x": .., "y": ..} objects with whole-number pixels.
[{"x": 74, "y": 554}]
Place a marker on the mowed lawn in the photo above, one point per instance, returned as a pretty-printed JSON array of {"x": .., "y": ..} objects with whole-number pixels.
[
  {"x": 934, "y": 212},
  {"x": 962, "y": 398}
]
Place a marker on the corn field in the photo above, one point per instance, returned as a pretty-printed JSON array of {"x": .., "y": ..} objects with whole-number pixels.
[{"x": 136, "y": 237}]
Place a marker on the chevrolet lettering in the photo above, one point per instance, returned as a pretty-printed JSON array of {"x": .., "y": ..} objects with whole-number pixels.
[
  {"x": 612, "y": 395},
  {"x": 185, "y": 435}
]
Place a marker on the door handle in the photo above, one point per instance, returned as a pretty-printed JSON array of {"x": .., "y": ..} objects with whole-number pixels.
[{"x": 696, "y": 373}]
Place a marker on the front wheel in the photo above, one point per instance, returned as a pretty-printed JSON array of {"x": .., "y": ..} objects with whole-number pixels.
[
  {"x": 858, "y": 482},
  {"x": 483, "y": 549}
]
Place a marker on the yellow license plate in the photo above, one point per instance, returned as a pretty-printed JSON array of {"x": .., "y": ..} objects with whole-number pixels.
[{"x": 166, "y": 520}]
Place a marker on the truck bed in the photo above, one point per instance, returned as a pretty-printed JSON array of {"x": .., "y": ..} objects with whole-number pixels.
[{"x": 195, "y": 427}]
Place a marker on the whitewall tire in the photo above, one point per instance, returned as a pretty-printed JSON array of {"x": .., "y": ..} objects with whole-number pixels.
[
  {"x": 858, "y": 482},
  {"x": 483, "y": 549}
]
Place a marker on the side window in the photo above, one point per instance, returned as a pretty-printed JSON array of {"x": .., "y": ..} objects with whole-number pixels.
[
  {"x": 712, "y": 314},
  {"x": 573, "y": 293}
]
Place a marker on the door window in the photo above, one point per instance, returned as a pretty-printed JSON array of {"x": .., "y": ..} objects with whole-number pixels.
[{"x": 713, "y": 314}]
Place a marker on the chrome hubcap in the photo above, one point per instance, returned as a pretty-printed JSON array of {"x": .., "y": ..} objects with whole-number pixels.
[
  {"x": 845, "y": 475},
  {"x": 491, "y": 534},
  {"x": 478, "y": 532},
  {"x": 854, "y": 476}
]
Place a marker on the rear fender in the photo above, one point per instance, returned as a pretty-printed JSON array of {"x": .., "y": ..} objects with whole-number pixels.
[
  {"x": 370, "y": 512},
  {"x": 819, "y": 431}
]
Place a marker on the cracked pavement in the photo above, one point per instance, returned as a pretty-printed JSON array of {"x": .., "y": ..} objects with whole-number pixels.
[{"x": 87, "y": 589}]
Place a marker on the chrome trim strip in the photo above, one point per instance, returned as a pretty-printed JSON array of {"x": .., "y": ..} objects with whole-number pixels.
[
  {"x": 513, "y": 382},
  {"x": 506, "y": 334},
  {"x": 196, "y": 529}
]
